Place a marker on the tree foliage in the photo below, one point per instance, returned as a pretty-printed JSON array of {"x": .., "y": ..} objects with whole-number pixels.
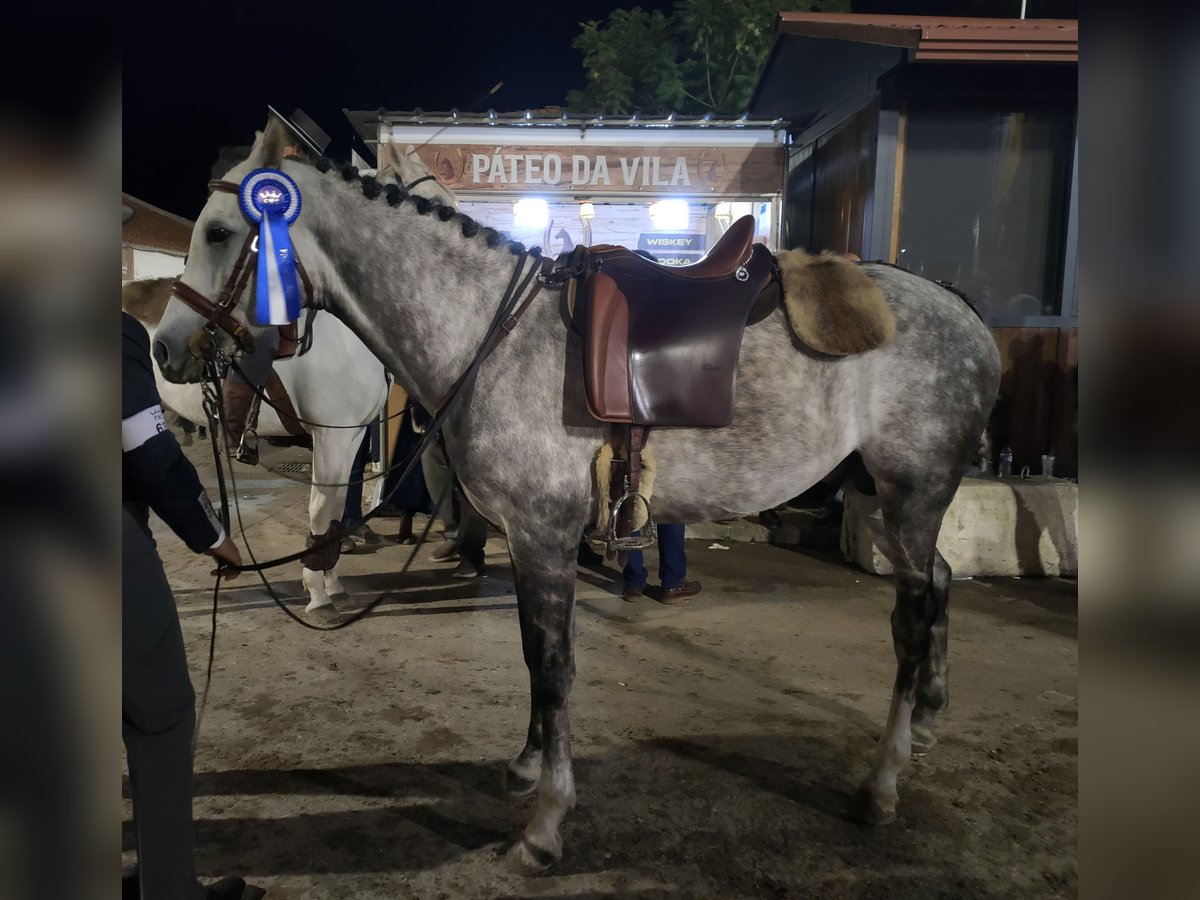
[{"x": 704, "y": 57}]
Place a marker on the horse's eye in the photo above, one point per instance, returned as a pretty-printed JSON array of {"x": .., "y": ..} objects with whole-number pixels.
[{"x": 216, "y": 234}]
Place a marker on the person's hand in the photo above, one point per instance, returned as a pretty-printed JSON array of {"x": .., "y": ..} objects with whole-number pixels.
[{"x": 226, "y": 554}]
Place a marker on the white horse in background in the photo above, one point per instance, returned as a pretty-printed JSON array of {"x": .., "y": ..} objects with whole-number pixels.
[{"x": 337, "y": 382}]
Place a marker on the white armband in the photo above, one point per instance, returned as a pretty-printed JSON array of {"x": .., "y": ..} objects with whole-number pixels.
[{"x": 142, "y": 426}]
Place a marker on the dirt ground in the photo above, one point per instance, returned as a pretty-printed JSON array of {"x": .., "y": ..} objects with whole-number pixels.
[{"x": 716, "y": 745}]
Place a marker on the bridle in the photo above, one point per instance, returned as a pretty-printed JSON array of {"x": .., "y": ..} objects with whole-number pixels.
[{"x": 219, "y": 313}]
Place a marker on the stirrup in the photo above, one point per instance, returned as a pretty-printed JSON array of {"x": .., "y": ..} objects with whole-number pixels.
[
  {"x": 247, "y": 451},
  {"x": 647, "y": 538}
]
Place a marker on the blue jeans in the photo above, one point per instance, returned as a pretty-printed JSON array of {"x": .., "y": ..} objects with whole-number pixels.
[
  {"x": 672, "y": 561},
  {"x": 354, "y": 490}
]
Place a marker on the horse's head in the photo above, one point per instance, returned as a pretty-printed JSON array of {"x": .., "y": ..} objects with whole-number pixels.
[{"x": 222, "y": 239}]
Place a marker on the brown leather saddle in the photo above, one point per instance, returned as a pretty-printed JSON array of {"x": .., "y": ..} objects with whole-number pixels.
[
  {"x": 661, "y": 343},
  {"x": 660, "y": 349}
]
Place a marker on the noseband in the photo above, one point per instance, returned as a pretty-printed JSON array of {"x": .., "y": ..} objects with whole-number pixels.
[{"x": 219, "y": 314}]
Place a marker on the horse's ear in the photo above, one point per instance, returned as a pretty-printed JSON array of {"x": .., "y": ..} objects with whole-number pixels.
[
  {"x": 270, "y": 144},
  {"x": 411, "y": 151}
]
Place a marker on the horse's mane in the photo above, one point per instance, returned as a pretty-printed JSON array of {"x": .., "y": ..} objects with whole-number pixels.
[
  {"x": 388, "y": 185},
  {"x": 147, "y": 300},
  {"x": 433, "y": 189}
]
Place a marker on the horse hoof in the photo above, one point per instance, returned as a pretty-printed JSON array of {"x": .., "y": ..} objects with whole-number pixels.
[
  {"x": 923, "y": 740},
  {"x": 526, "y": 859},
  {"x": 866, "y": 809},
  {"x": 325, "y": 613},
  {"x": 517, "y": 786}
]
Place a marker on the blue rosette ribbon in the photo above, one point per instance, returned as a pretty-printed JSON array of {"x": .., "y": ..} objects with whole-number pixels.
[{"x": 271, "y": 199}]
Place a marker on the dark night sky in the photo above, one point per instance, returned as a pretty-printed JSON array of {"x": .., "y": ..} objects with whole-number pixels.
[{"x": 196, "y": 77}]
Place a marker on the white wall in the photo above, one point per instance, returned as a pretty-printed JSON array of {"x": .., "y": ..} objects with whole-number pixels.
[{"x": 152, "y": 264}]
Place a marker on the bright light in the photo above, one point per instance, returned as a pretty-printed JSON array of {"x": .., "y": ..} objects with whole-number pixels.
[
  {"x": 587, "y": 210},
  {"x": 669, "y": 215},
  {"x": 531, "y": 213}
]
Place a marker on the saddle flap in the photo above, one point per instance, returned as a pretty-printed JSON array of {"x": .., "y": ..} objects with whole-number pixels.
[
  {"x": 664, "y": 351},
  {"x": 606, "y": 351}
]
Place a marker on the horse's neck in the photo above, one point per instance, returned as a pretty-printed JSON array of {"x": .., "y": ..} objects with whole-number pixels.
[{"x": 418, "y": 294}]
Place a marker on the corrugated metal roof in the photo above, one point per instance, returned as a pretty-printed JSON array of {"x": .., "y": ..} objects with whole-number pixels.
[
  {"x": 366, "y": 122},
  {"x": 946, "y": 39},
  {"x": 151, "y": 228}
]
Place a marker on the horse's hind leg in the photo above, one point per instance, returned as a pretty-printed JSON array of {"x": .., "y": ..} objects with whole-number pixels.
[
  {"x": 545, "y": 581},
  {"x": 911, "y": 520},
  {"x": 933, "y": 685}
]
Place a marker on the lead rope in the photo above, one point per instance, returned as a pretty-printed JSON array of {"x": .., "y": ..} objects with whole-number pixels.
[
  {"x": 214, "y": 411},
  {"x": 502, "y": 324}
]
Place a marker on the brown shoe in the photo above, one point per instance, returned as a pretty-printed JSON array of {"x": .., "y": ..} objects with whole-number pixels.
[
  {"x": 633, "y": 595},
  {"x": 677, "y": 596}
]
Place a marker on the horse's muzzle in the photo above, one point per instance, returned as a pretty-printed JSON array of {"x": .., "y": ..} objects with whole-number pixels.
[{"x": 201, "y": 346}]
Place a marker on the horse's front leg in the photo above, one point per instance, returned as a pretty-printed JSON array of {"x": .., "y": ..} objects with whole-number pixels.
[
  {"x": 544, "y": 569},
  {"x": 521, "y": 776},
  {"x": 333, "y": 458}
]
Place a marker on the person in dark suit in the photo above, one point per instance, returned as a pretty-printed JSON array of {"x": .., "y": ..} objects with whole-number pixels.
[{"x": 158, "y": 704}]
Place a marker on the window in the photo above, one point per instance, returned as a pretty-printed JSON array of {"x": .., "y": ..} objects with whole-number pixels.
[
  {"x": 677, "y": 234},
  {"x": 984, "y": 206}
]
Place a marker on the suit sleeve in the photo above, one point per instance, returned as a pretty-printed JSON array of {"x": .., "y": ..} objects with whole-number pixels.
[{"x": 152, "y": 462}]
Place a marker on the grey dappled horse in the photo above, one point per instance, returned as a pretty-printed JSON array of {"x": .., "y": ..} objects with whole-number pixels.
[{"x": 420, "y": 284}]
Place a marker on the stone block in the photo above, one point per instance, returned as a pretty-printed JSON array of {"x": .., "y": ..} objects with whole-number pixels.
[{"x": 994, "y": 526}]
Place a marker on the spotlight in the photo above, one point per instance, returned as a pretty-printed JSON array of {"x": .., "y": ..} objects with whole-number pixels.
[
  {"x": 669, "y": 215},
  {"x": 531, "y": 212}
]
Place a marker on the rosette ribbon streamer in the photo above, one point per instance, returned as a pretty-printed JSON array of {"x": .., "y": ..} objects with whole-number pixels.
[{"x": 271, "y": 199}]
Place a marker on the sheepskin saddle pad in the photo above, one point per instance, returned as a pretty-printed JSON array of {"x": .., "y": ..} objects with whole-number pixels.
[{"x": 832, "y": 305}]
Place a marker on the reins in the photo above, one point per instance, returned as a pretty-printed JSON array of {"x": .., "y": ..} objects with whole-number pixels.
[
  {"x": 508, "y": 314},
  {"x": 264, "y": 397}
]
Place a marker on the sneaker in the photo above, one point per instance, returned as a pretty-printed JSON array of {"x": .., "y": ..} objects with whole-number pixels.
[
  {"x": 446, "y": 551},
  {"x": 368, "y": 535},
  {"x": 467, "y": 569},
  {"x": 361, "y": 536}
]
